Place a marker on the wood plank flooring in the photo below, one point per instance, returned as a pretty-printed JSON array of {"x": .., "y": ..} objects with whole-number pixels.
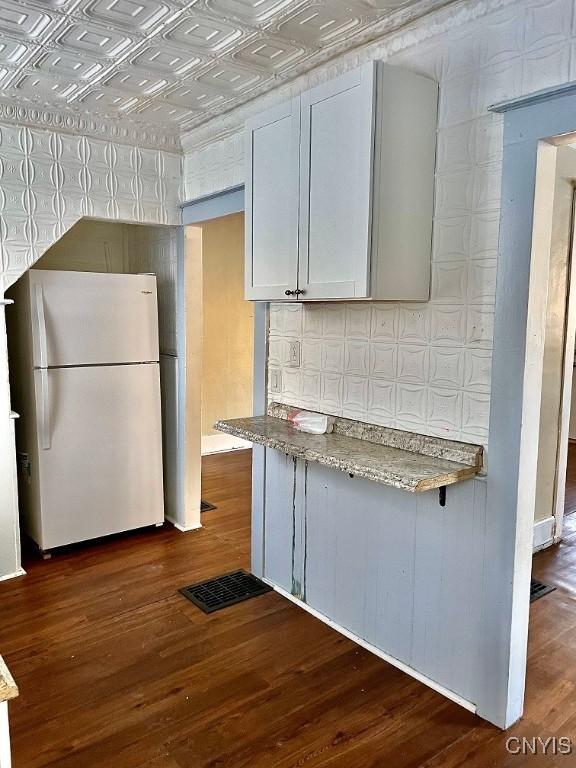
[
  {"x": 570, "y": 497},
  {"x": 116, "y": 670}
]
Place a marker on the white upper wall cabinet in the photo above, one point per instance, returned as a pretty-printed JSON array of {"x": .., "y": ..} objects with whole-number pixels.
[
  {"x": 340, "y": 187},
  {"x": 336, "y": 148},
  {"x": 272, "y": 202}
]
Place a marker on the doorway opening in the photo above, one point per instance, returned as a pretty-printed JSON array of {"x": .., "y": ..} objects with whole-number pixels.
[
  {"x": 555, "y": 501},
  {"x": 219, "y": 348},
  {"x": 227, "y": 334}
]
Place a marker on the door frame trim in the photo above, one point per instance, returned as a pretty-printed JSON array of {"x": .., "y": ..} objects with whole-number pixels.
[
  {"x": 517, "y": 366},
  {"x": 214, "y": 206},
  {"x": 566, "y": 383},
  {"x": 196, "y": 212}
]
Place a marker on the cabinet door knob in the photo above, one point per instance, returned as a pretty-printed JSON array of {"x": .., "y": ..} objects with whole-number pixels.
[
  {"x": 298, "y": 292},
  {"x": 289, "y": 293}
]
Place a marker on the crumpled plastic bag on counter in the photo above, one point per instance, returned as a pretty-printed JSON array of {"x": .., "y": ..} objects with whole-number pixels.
[{"x": 314, "y": 423}]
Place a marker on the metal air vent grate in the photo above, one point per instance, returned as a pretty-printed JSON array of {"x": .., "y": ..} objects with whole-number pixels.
[{"x": 222, "y": 591}]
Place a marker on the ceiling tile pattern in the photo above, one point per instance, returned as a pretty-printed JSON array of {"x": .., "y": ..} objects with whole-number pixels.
[{"x": 170, "y": 64}]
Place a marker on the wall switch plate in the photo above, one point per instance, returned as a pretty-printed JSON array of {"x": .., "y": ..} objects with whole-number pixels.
[
  {"x": 294, "y": 354},
  {"x": 275, "y": 376}
]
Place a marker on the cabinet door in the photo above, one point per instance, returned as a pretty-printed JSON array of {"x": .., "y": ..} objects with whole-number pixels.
[
  {"x": 272, "y": 203},
  {"x": 336, "y": 156}
]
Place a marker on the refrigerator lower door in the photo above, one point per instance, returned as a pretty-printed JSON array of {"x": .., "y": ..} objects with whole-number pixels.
[{"x": 99, "y": 451}]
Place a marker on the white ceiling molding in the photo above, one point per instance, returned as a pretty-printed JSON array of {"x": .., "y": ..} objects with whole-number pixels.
[
  {"x": 147, "y": 71},
  {"x": 121, "y": 132}
]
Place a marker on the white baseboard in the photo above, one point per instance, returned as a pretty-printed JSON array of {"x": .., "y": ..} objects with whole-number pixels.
[
  {"x": 19, "y": 572},
  {"x": 220, "y": 443},
  {"x": 181, "y": 527},
  {"x": 543, "y": 534},
  {"x": 373, "y": 649}
]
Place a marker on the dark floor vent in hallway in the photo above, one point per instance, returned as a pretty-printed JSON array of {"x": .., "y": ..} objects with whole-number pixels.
[
  {"x": 538, "y": 589},
  {"x": 229, "y": 589},
  {"x": 205, "y": 506}
]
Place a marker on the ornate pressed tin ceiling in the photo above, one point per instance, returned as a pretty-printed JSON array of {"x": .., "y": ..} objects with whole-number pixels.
[{"x": 153, "y": 69}]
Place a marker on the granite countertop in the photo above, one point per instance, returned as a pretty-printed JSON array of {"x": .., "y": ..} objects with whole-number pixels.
[
  {"x": 392, "y": 457},
  {"x": 8, "y": 688}
]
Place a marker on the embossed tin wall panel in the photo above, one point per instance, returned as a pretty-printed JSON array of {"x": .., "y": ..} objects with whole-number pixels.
[{"x": 48, "y": 181}]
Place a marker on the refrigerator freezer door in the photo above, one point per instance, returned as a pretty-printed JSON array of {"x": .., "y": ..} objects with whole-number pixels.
[
  {"x": 85, "y": 318},
  {"x": 99, "y": 451}
]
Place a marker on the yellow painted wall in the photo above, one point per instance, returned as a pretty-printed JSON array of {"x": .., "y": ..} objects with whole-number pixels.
[{"x": 228, "y": 324}]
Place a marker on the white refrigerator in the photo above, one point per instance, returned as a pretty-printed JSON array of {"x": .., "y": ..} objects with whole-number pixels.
[{"x": 85, "y": 380}]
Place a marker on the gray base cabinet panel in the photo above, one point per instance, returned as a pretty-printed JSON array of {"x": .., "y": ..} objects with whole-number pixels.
[
  {"x": 449, "y": 569},
  {"x": 360, "y": 560},
  {"x": 394, "y": 568},
  {"x": 279, "y": 513}
]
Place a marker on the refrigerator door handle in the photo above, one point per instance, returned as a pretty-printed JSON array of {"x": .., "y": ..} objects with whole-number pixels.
[
  {"x": 44, "y": 431},
  {"x": 42, "y": 340}
]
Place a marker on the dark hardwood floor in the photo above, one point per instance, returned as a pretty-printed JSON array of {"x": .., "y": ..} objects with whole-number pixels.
[
  {"x": 116, "y": 670},
  {"x": 570, "y": 497}
]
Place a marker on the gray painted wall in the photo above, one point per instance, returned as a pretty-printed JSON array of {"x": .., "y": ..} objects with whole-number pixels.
[{"x": 395, "y": 568}]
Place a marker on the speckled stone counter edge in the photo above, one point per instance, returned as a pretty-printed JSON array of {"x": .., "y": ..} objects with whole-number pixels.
[
  {"x": 8, "y": 688},
  {"x": 385, "y": 464},
  {"x": 427, "y": 445}
]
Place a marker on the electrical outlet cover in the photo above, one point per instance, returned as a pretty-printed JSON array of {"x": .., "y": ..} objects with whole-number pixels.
[
  {"x": 275, "y": 380},
  {"x": 294, "y": 354}
]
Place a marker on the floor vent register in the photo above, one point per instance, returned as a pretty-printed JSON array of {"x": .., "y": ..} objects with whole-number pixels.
[
  {"x": 222, "y": 591},
  {"x": 539, "y": 589}
]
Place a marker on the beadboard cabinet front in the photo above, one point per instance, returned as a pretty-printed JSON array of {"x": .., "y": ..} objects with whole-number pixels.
[{"x": 340, "y": 186}]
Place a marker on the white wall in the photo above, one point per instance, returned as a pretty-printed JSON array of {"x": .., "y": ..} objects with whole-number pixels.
[
  {"x": 424, "y": 367},
  {"x": 48, "y": 181}
]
